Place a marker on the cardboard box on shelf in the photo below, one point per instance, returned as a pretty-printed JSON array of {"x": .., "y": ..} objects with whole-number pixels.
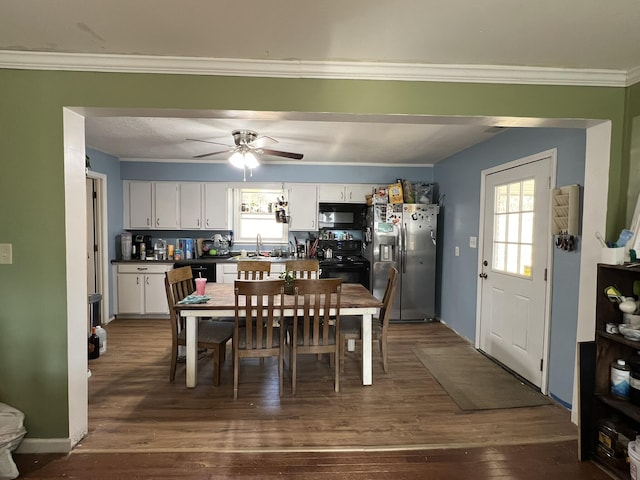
[{"x": 395, "y": 193}]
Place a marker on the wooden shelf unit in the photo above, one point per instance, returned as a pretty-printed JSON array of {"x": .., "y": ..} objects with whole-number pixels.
[{"x": 596, "y": 402}]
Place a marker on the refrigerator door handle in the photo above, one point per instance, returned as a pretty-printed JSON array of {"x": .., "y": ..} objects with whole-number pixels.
[
  {"x": 433, "y": 237},
  {"x": 403, "y": 248}
]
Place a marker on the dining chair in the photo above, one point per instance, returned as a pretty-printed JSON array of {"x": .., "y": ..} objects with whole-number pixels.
[
  {"x": 257, "y": 326},
  {"x": 212, "y": 335},
  {"x": 253, "y": 269},
  {"x": 351, "y": 325},
  {"x": 303, "y": 268},
  {"x": 316, "y": 322}
]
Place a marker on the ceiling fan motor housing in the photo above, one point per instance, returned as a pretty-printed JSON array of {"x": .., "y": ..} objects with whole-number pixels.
[{"x": 244, "y": 137}]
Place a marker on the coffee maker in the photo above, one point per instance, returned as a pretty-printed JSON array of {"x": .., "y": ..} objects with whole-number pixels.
[{"x": 138, "y": 240}]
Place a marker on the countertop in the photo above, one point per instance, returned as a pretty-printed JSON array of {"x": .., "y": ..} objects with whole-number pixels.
[{"x": 200, "y": 261}]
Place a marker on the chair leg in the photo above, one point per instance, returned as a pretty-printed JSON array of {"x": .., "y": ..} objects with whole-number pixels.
[
  {"x": 236, "y": 373},
  {"x": 174, "y": 361},
  {"x": 218, "y": 360},
  {"x": 342, "y": 349},
  {"x": 294, "y": 366},
  {"x": 383, "y": 350},
  {"x": 337, "y": 366}
]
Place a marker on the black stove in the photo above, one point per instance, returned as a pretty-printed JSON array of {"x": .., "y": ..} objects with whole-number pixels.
[{"x": 346, "y": 261}]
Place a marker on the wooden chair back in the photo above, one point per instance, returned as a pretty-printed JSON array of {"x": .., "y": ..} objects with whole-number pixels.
[
  {"x": 387, "y": 299},
  {"x": 303, "y": 268},
  {"x": 178, "y": 284},
  {"x": 253, "y": 269},
  {"x": 212, "y": 335},
  {"x": 316, "y": 322},
  {"x": 258, "y": 317}
]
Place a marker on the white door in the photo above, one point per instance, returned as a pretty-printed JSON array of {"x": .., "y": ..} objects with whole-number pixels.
[{"x": 516, "y": 235}]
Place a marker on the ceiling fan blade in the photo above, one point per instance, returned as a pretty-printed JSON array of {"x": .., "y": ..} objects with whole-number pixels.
[
  {"x": 278, "y": 153},
  {"x": 208, "y": 141},
  {"x": 212, "y": 153},
  {"x": 263, "y": 142}
]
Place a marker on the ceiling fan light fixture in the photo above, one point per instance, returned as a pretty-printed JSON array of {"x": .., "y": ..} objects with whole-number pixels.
[
  {"x": 250, "y": 160},
  {"x": 237, "y": 160}
]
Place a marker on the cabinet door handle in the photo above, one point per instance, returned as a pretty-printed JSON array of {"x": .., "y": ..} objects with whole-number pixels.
[
  {"x": 148, "y": 222},
  {"x": 198, "y": 222},
  {"x": 207, "y": 222},
  {"x": 146, "y": 279},
  {"x": 137, "y": 280},
  {"x": 141, "y": 269},
  {"x": 158, "y": 222}
]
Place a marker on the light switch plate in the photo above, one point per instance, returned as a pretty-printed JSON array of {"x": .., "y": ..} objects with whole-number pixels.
[
  {"x": 5, "y": 254},
  {"x": 473, "y": 242},
  {"x": 457, "y": 251}
]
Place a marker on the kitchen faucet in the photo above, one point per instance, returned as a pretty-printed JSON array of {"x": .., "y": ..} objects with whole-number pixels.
[{"x": 258, "y": 244}]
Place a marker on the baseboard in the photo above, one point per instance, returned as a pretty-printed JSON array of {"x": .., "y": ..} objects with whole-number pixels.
[{"x": 45, "y": 445}]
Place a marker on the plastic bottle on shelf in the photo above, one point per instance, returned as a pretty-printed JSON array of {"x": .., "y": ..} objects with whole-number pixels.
[
  {"x": 620, "y": 379},
  {"x": 143, "y": 252},
  {"x": 102, "y": 336}
]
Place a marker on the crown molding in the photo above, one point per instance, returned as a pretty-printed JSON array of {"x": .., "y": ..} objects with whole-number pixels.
[
  {"x": 10, "y": 59},
  {"x": 633, "y": 76}
]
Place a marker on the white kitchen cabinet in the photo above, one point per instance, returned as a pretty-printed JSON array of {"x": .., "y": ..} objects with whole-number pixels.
[
  {"x": 357, "y": 193},
  {"x": 140, "y": 289},
  {"x": 216, "y": 206},
  {"x": 166, "y": 205},
  {"x": 303, "y": 206},
  {"x": 340, "y": 193},
  {"x": 138, "y": 203},
  {"x": 228, "y": 272},
  {"x": 191, "y": 205}
]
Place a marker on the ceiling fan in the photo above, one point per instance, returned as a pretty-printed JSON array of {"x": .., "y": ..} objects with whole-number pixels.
[
  {"x": 244, "y": 154},
  {"x": 248, "y": 141}
]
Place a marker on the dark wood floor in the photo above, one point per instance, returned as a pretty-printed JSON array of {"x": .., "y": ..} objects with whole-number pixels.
[{"x": 404, "y": 426}]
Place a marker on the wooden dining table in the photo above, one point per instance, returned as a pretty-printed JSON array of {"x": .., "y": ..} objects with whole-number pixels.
[{"x": 355, "y": 299}]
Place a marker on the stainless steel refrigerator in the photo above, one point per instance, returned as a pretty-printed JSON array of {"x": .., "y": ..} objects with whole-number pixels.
[{"x": 404, "y": 236}]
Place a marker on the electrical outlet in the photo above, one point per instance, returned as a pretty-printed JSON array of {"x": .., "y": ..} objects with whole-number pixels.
[
  {"x": 473, "y": 242},
  {"x": 457, "y": 251},
  {"x": 5, "y": 254}
]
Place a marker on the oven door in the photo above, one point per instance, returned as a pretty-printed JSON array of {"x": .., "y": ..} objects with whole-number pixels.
[{"x": 348, "y": 273}]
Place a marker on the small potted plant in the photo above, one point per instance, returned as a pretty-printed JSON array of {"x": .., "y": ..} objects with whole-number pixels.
[{"x": 288, "y": 278}]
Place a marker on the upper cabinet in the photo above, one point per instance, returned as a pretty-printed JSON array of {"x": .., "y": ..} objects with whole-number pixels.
[
  {"x": 216, "y": 207},
  {"x": 303, "y": 206},
  {"x": 138, "y": 205},
  {"x": 340, "y": 193},
  {"x": 173, "y": 206},
  {"x": 191, "y": 206},
  {"x": 166, "y": 205}
]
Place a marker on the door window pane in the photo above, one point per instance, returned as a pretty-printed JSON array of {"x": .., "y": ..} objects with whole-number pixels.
[{"x": 513, "y": 220}]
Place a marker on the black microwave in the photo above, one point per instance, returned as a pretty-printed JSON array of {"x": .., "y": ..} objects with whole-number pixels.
[{"x": 341, "y": 216}]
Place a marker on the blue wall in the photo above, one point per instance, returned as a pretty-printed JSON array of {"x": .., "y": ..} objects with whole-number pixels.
[{"x": 458, "y": 179}]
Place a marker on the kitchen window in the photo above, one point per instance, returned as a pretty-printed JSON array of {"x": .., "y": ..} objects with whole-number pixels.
[{"x": 255, "y": 213}]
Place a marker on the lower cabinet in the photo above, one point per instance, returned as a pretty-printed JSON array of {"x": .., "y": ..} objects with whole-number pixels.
[
  {"x": 140, "y": 289},
  {"x": 228, "y": 272}
]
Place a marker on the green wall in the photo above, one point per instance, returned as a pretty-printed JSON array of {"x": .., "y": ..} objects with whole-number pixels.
[{"x": 33, "y": 373}]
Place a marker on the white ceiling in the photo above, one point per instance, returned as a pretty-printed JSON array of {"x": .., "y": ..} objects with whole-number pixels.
[{"x": 591, "y": 39}]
